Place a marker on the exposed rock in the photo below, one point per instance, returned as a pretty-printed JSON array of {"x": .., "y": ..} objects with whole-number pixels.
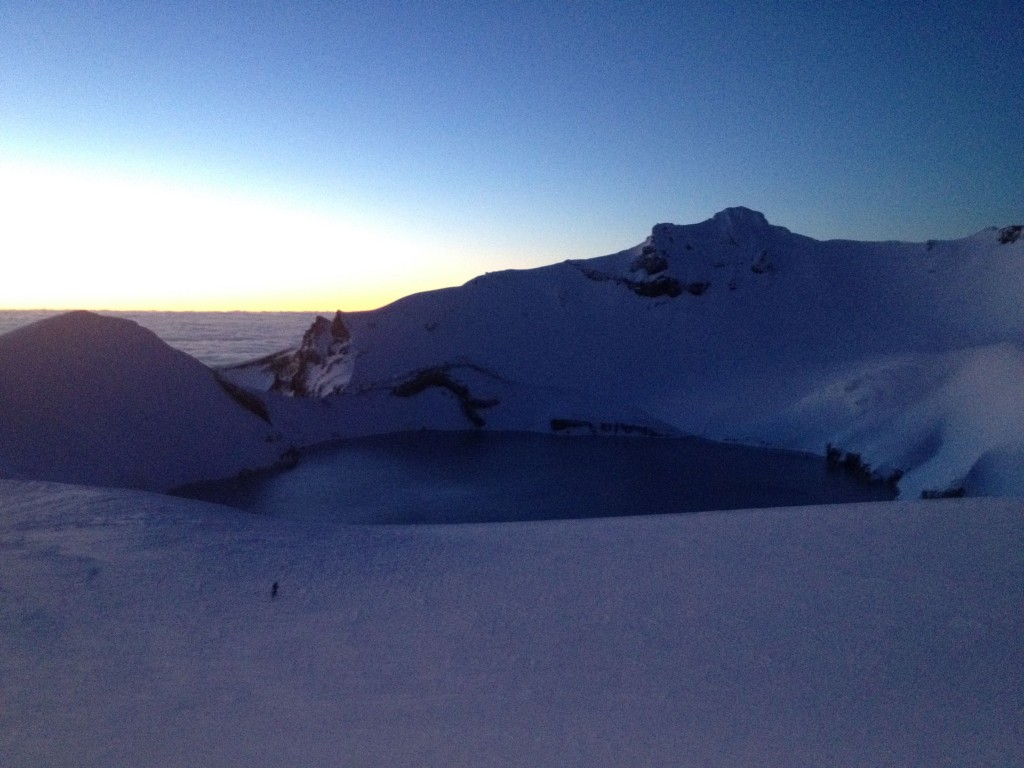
[
  {"x": 575, "y": 426},
  {"x": 659, "y": 286},
  {"x": 248, "y": 400},
  {"x": 441, "y": 377},
  {"x": 321, "y": 366},
  {"x": 1010, "y": 234},
  {"x": 762, "y": 265},
  {"x": 697, "y": 288},
  {"x": 853, "y": 464},
  {"x": 651, "y": 260}
]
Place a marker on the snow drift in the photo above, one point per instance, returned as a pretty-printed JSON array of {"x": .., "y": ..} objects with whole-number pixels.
[{"x": 100, "y": 400}]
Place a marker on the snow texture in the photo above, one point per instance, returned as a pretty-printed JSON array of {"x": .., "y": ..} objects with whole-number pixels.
[{"x": 137, "y": 629}]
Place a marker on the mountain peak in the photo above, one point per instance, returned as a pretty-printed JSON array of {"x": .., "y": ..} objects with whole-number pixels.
[
  {"x": 740, "y": 218},
  {"x": 321, "y": 366}
]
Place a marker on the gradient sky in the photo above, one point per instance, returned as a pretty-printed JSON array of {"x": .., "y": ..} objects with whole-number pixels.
[{"x": 313, "y": 155}]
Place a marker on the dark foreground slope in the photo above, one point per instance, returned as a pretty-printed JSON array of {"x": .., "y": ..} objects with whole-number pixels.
[{"x": 102, "y": 401}]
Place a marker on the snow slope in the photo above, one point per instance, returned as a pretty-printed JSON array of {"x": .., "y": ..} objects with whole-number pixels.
[
  {"x": 137, "y": 629},
  {"x": 906, "y": 353},
  {"x": 102, "y": 401}
]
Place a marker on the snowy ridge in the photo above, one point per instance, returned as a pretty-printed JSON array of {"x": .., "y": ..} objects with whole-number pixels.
[
  {"x": 141, "y": 629},
  {"x": 907, "y": 354}
]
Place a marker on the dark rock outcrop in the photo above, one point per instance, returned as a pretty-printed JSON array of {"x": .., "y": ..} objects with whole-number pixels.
[
  {"x": 321, "y": 366},
  {"x": 762, "y": 265},
  {"x": 441, "y": 377},
  {"x": 853, "y": 464},
  {"x": 651, "y": 260},
  {"x": 578, "y": 426},
  {"x": 659, "y": 286},
  {"x": 1010, "y": 234}
]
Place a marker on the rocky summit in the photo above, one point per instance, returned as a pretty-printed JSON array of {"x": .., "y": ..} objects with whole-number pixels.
[{"x": 321, "y": 366}]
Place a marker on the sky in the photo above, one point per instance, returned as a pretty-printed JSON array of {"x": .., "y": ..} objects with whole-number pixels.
[{"x": 315, "y": 155}]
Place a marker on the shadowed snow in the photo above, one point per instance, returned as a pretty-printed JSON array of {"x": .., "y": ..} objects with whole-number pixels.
[
  {"x": 100, "y": 400},
  {"x": 141, "y": 630}
]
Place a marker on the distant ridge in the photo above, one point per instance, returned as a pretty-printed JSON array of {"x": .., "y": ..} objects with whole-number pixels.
[
  {"x": 901, "y": 361},
  {"x": 906, "y": 355}
]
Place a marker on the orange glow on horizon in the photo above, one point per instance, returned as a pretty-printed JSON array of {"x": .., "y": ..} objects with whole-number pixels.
[{"x": 85, "y": 240}]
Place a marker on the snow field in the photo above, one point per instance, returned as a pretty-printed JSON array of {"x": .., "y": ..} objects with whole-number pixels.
[{"x": 137, "y": 629}]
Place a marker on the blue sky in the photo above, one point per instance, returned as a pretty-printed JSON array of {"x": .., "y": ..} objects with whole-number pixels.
[{"x": 418, "y": 144}]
